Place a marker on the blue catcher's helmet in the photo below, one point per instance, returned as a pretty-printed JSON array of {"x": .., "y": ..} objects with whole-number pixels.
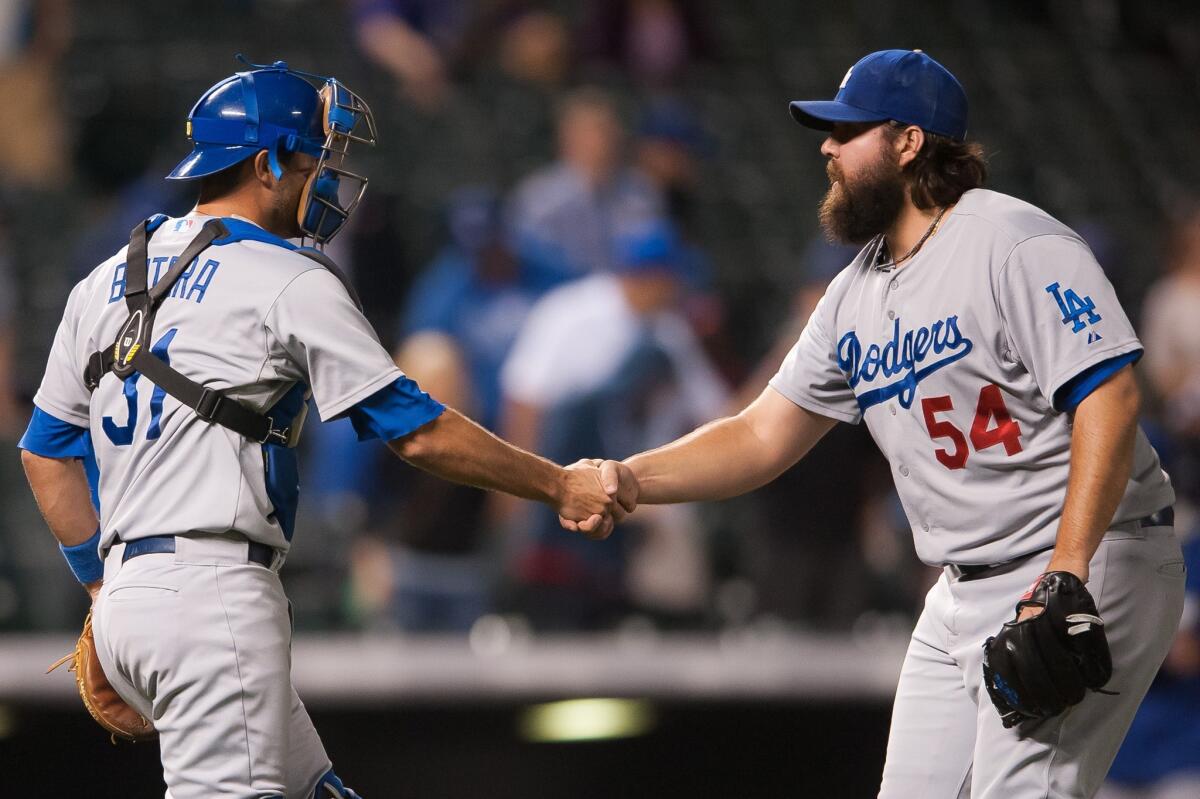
[{"x": 279, "y": 110}]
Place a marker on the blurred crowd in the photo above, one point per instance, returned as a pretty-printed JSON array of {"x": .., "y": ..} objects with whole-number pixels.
[
  {"x": 544, "y": 266},
  {"x": 572, "y": 307}
]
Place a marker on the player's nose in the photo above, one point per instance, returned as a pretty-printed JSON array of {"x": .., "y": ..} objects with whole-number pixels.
[{"x": 829, "y": 147}]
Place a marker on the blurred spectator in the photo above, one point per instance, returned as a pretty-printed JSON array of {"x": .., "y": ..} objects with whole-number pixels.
[
  {"x": 422, "y": 567},
  {"x": 574, "y": 210},
  {"x": 430, "y": 45},
  {"x": 1160, "y": 758},
  {"x": 604, "y": 368},
  {"x": 669, "y": 142},
  {"x": 519, "y": 90},
  {"x": 476, "y": 293},
  {"x": 535, "y": 48},
  {"x": 34, "y": 35},
  {"x": 410, "y": 39},
  {"x": 653, "y": 41},
  {"x": 1171, "y": 332},
  {"x": 12, "y": 413}
]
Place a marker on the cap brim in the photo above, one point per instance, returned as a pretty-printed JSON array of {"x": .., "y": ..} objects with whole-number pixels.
[
  {"x": 208, "y": 159},
  {"x": 823, "y": 114}
]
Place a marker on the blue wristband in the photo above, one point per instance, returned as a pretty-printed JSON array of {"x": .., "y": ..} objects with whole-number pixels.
[{"x": 84, "y": 559}]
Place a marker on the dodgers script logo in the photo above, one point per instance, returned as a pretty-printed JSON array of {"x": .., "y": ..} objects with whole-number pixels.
[{"x": 915, "y": 355}]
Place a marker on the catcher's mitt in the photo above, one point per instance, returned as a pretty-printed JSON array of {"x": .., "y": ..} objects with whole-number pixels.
[
  {"x": 98, "y": 695},
  {"x": 1037, "y": 668}
]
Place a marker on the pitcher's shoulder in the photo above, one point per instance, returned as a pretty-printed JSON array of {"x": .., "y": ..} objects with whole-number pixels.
[{"x": 1007, "y": 218}]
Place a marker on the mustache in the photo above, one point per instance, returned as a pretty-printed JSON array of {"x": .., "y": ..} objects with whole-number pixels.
[{"x": 833, "y": 171}]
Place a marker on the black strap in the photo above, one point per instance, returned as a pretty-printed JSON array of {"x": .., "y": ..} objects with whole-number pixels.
[
  {"x": 213, "y": 229},
  {"x": 210, "y": 404},
  {"x": 136, "y": 265}
]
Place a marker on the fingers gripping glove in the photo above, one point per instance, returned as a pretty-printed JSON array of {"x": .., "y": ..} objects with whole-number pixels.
[
  {"x": 1037, "y": 668},
  {"x": 99, "y": 697}
]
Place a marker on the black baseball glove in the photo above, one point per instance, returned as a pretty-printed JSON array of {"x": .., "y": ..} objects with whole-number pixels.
[{"x": 1037, "y": 668}]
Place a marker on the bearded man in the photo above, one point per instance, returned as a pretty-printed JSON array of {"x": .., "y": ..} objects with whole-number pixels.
[{"x": 993, "y": 364}]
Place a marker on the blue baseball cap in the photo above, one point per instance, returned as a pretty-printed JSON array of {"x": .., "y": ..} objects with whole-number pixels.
[
  {"x": 651, "y": 247},
  {"x": 905, "y": 85}
]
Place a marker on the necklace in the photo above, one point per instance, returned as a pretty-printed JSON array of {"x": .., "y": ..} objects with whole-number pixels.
[{"x": 881, "y": 248}]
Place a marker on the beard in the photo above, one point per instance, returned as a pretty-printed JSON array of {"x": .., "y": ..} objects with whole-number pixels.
[
  {"x": 285, "y": 206},
  {"x": 854, "y": 212}
]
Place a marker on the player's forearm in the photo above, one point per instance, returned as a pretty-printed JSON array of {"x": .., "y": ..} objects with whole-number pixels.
[
  {"x": 719, "y": 460},
  {"x": 1101, "y": 461},
  {"x": 455, "y": 448},
  {"x": 730, "y": 456},
  {"x": 61, "y": 489}
]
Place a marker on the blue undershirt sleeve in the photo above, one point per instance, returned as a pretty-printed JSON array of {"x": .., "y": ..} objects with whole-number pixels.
[
  {"x": 1076, "y": 390},
  {"x": 394, "y": 411},
  {"x": 51, "y": 437}
]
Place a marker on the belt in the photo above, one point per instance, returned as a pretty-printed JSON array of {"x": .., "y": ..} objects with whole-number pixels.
[
  {"x": 1160, "y": 518},
  {"x": 258, "y": 553}
]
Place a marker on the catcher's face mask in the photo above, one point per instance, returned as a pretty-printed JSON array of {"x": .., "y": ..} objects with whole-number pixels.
[
  {"x": 284, "y": 110},
  {"x": 332, "y": 192}
]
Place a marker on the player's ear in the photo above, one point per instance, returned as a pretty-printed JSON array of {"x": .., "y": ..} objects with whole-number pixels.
[
  {"x": 262, "y": 170},
  {"x": 908, "y": 145}
]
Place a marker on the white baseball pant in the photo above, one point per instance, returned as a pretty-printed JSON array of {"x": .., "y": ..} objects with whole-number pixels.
[
  {"x": 199, "y": 641},
  {"x": 947, "y": 741}
]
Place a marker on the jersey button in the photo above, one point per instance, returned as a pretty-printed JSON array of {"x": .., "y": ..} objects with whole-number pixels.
[
  {"x": 891, "y": 314},
  {"x": 925, "y": 526},
  {"x": 893, "y": 407},
  {"x": 904, "y": 471},
  {"x": 894, "y": 285}
]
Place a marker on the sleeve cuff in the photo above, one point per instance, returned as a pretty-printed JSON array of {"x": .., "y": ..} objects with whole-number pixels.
[
  {"x": 394, "y": 411},
  {"x": 51, "y": 437},
  {"x": 1076, "y": 390}
]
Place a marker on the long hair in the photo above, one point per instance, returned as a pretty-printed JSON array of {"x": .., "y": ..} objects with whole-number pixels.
[{"x": 943, "y": 170}]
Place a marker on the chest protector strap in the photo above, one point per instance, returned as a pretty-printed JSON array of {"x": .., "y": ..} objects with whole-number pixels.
[{"x": 131, "y": 351}]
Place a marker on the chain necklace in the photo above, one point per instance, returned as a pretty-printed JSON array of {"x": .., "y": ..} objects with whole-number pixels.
[{"x": 881, "y": 248}]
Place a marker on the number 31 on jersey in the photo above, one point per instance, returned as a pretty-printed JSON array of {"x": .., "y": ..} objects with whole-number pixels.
[{"x": 993, "y": 426}]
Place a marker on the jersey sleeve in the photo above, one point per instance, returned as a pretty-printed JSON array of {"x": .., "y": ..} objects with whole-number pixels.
[
  {"x": 810, "y": 375},
  {"x": 394, "y": 411},
  {"x": 332, "y": 345},
  {"x": 62, "y": 392},
  {"x": 1062, "y": 318}
]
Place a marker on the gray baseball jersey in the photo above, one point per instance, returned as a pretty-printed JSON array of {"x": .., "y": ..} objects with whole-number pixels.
[
  {"x": 251, "y": 318},
  {"x": 964, "y": 363}
]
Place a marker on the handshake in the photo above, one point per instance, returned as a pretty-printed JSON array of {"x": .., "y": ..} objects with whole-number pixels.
[{"x": 596, "y": 495}]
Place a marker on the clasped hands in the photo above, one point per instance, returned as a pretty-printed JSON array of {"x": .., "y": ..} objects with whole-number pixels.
[{"x": 596, "y": 495}]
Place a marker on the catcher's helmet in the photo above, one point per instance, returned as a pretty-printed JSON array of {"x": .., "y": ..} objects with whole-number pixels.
[{"x": 278, "y": 109}]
